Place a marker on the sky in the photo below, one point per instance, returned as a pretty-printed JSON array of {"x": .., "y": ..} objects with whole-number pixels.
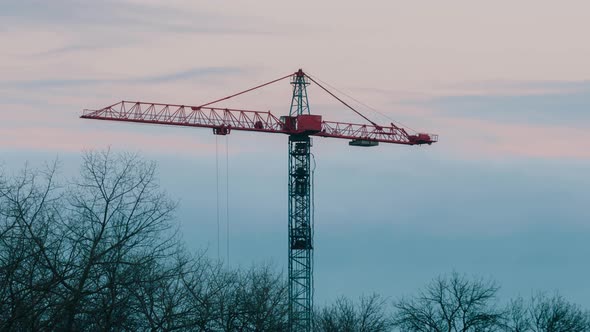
[{"x": 505, "y": 84}]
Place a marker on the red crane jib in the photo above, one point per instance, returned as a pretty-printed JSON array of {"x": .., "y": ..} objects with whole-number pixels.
[{"x": 224, "y": 120}]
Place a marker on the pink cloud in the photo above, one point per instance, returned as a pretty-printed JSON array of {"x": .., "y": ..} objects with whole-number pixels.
[
  {"x": 485, "y": 139},
  {"x": 76, "y": 140}
]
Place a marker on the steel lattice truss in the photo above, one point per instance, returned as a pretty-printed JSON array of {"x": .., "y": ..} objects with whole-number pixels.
[
  {"x": 223, "y": 120},
  {"x": 300, "y": 234},
  {"x": 300, "y": 217}
]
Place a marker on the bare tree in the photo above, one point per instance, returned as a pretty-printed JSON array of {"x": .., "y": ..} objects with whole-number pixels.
[
  {"x": 67, "y": 254},
  {"x": 545, "y": 313},
  {"x": 30, "y": 276},
  {"x": 369, "y": 315},
  {"x": 252, "y": 300},
  {"x": 450, "y": 304},
  {"x": 517, "y": 317},
  {"x": 118, "y": 222},
  {"x": 100, "y": 254},
  {"x": 262, "y": 300}
]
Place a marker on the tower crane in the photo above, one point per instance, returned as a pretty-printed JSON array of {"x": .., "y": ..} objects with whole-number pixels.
[{"x": 300, "y": 126}]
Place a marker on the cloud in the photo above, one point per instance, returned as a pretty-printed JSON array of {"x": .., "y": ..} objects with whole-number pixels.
[
  {"x": 109, "y": 13},
  {"x": 523, "y": 87},
  {"x": 69, "y": 49},
  {"x": 508, "y": 88},
  {"x": 75, "y": 140},
  {"x": 181, "y": 75},
  {"x": 477, "y": 139},
  {"x": 192, "y": 73},
  {"x": 567, "y": 108},
  {"x": 524, "y": 122}
]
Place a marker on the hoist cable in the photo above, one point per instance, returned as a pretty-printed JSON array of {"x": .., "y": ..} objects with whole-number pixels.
[
  {"x": 227, "y": 193},
  {"x": 312, "y": 223},
  {"x": 217, "y": 196}
]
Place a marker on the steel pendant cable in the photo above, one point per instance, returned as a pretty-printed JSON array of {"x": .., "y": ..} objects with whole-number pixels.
[{"x": 359, "y": 102}]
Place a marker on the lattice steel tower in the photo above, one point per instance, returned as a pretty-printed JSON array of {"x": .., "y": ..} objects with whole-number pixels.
[{"x": 300, "y": 216}]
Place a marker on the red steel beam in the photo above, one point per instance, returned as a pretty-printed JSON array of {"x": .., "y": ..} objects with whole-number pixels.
[{"x": 223, "y": 120}]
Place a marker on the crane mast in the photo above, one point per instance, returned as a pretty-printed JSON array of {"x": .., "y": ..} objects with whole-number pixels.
[
  {"x": 300, "y": 216},
  {"x": 301, "y": 126}
]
